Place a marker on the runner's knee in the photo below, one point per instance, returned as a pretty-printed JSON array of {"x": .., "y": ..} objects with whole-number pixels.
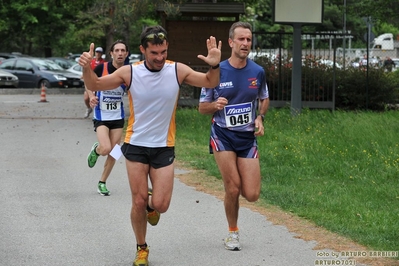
[{"x": 252, "y": 196}]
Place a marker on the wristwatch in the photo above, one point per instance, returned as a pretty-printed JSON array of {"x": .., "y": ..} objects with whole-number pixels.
[{"x": 263, "y": 117}]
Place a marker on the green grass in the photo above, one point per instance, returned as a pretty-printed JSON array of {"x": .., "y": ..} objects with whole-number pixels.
[{"x": 337, "y": 169}]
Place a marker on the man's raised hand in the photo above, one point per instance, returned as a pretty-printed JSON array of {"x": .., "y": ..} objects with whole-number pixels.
[
  {"x": 214, "y": 52},
  {"x": 86, "y": 57}
]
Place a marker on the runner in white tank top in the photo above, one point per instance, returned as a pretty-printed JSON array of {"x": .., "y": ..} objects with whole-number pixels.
[
  {"x": 153, "y": 90},
  {"x": 109, "y": 115},
  {"x": 152, "y": 119}
]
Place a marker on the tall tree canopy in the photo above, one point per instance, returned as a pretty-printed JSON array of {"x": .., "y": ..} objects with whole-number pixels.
[{"x": 56, "y": 27}]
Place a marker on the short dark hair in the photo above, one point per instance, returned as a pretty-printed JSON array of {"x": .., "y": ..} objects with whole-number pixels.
[
  {"x": 155, "y": 40},
  {"x": 116, "y": 42},
  {"x": 239, "y": 24}
]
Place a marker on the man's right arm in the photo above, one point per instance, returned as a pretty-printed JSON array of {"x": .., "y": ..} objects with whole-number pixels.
[
  {"x": 107, "y": 82},
  {"x": 209, "y": 108}
]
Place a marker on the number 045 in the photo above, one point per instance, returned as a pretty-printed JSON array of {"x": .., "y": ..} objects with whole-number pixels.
[{"x": 239, "y": 119}]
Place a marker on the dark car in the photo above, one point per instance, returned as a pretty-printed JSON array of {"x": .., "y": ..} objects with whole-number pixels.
[
  {"x": 35, "y": 72},
  {"x": 8, "y": 80},
  {"x": 62, "y": 62},
  {"x": 73, "y": 57},
  {"x": 12, "y": 55}
]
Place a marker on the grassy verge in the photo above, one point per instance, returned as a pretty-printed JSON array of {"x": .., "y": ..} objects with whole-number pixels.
[{"x": 336, "y": 169}]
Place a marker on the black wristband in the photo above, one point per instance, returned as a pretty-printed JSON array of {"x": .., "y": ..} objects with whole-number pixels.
[
  {"x": 215, "y": 67},
  {"x": 263, "y": 117}
]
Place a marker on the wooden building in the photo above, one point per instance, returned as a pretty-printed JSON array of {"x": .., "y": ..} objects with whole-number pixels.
[{"x": 187, "y": 33}]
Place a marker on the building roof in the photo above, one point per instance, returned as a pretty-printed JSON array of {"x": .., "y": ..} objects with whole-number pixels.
[{"x": 209, "y": 9}]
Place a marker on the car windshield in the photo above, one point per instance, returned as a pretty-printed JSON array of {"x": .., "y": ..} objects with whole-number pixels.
[{"x": 46, "y": 64}]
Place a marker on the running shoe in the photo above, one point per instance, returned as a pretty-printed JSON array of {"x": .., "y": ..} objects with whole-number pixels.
[
  {"x": 153, "y": 216},
  {"x": 232, "y": 242},
  {"x": 88, "y": 112},
  {"x": 93, "y": 156},
  {"x": 102, "y": 189},
  {"x": 141, "y": 257}
]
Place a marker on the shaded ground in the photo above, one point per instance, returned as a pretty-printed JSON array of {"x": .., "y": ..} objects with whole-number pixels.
[{"x": 304, "y": 229}]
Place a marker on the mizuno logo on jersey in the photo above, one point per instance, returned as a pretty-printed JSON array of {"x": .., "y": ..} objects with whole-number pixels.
[
  {"x": 111, "y": 100},
  {"x": 238, "y": 109}
]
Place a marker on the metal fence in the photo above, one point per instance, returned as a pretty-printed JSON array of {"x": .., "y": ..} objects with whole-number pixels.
[{"x": 323, "y": 55}]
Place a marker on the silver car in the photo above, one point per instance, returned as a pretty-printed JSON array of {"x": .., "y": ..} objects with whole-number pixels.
[
  {"x": 8, "y": 80},
  {"x": 76, "y": 68}
]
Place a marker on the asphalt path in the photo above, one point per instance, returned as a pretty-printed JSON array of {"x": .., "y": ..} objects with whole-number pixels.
[{"x": 51, "y": 213}]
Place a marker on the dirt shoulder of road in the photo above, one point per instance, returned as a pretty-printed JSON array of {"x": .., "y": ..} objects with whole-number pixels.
[{"x": 302, "y": 228}]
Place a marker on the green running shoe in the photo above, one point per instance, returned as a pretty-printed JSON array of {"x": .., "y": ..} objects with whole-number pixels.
[
  {"x": 93, "y": 156},
  {"x": 102, "y": 189},
  {"x": 141, "y": 257},
  {"x": 152, "y": 216}
]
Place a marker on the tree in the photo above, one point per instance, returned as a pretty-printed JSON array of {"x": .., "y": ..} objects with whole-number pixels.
[
  {"x": 47, "y": 27},
  {"x": 33, "y": 27},
  {"x": 383, "y": 10}
]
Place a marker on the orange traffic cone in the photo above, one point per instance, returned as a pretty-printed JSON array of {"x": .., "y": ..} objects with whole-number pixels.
[{"x": 43, "y": 95}]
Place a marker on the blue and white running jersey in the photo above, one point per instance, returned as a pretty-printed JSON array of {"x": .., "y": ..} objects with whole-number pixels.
[
  {"x": 110, "y": 102},
  {"x": 242, "y": 88}
]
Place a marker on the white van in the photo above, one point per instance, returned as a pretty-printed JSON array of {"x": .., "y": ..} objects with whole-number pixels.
[{"x": 384, "y": 42}]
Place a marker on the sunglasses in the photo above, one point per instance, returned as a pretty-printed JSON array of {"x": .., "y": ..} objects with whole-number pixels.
[{"x": 152, "y": 36}]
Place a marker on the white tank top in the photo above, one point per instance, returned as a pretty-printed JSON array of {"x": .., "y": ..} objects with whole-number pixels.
[{"x": 152, "y": 99}]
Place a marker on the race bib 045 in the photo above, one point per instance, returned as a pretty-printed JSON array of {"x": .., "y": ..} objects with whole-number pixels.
[{"x": 238, "y": 114}]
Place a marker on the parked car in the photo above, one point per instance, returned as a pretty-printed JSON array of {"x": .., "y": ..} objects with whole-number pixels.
[
  {"x": 133, "y": 58},
  {"x": 62, "y": 62},
  {"x": 373, "y": 62},
  {"x": 35, "y": 72},
  {"x": 257, "y": 55},
  {"x": 355, "y": 63},
  {"x": 73, "y": 57},
  {"x": 328, "y": 63},
  {"x": 8, "y": 80},
  {"x": 76, "y": 68},
  {"x": 396, "y": 62},
  {"x": 12, "y": 55}
]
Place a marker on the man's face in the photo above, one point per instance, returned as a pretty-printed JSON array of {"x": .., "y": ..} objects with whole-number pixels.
[
  {"x": 155, "y": 55},
  {"x": 119, "y": 53},
  {"x": 241, "y": 42},
  {"x": 98, "y": 55}
]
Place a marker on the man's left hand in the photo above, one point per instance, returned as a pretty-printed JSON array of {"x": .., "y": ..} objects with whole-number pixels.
[{"x": 214, "y": 52}]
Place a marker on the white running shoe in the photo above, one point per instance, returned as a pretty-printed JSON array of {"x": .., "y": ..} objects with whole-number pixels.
[
  {"x": 232, "y": 242},
  {"x": 88, "y": 112}
]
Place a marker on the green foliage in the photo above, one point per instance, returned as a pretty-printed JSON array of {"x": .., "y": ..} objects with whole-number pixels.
[
  {"x": 383, "y": 27},
  {"x": 48, "y": 27},
  {"x": 194, "y": 146},
  {"x": 356, "y": 88},
  {"x": 337, "y": 169},
  {"x": 38, "y": 27},
  {"x": 35, "y": 26},
  {"x": 356, "y": 91},
  {"x": 382, "y": 10}
]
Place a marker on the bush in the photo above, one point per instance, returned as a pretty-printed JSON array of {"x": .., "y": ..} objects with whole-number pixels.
[
  {"x": 354, "y": 88},
  {"x": 358, "y": 90}
]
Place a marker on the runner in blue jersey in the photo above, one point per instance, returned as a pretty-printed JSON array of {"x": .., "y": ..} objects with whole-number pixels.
[
  {"x": 238, "y": 106},
  {"x": 109, "y": 115}
]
